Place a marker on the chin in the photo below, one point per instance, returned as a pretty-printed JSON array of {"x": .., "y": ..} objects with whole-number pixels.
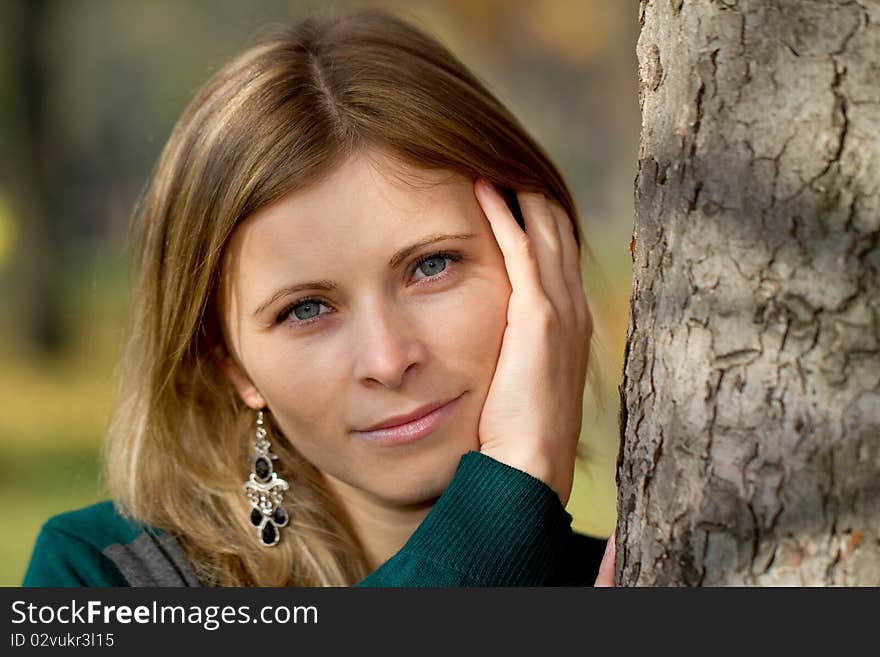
[{"x": 420, "y": 482}]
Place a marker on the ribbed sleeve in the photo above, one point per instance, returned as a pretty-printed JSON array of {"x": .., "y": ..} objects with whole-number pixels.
[{"x": 493, "y": 526}]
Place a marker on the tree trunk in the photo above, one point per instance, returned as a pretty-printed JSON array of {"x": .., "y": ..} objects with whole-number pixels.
[
  {"x": 38, "y": 204},
  {"x": 750, "y": 399}
]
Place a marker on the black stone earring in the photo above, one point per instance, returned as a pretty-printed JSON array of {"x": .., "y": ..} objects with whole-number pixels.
[{"x": 265, "y": 490}]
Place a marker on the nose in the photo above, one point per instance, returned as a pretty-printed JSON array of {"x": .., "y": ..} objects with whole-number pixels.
[{"x": 387, "y": 346}]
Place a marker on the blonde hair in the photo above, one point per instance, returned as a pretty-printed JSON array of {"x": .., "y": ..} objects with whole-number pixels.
[{"x": 281, "y": 115}]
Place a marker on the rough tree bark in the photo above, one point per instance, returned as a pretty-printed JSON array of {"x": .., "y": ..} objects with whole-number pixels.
[{"x": 750, "y": 399}]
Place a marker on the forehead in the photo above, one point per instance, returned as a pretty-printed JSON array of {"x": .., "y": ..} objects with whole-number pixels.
[{"x": 371, "y": 201}]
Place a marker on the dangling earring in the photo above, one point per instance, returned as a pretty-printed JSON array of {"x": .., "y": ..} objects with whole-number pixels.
[{"x": 265, "y": 491}]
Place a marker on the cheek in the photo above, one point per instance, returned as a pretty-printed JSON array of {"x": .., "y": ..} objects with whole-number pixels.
[
  {"x": 300, "y": 390},
  {"x": 469, "y": 325}
]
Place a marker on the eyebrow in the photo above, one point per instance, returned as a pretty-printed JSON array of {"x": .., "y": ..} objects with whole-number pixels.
[{"x": 396, "y": 260}]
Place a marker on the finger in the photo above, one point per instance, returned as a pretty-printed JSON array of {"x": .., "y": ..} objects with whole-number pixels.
[
  {"x": 542, "y": 229},
  {"x": 571, "y": 262},
  {"x": 605, "y": 577},
  {"x": 516, "y": 247}
]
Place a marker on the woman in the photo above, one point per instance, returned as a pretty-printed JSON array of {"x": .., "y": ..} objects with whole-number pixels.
[{"x": 348, "y": 362}]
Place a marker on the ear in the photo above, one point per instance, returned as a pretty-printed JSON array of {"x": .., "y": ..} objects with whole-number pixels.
[{"x": 242, "y": 383}]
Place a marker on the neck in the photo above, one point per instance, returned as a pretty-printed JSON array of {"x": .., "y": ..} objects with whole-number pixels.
[{"x": 382, "y": 529}]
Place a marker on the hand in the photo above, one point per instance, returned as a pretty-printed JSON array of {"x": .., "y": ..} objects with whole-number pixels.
[
  {"x": 532, "y": 415},
  {"x": 606, "y": 568}
]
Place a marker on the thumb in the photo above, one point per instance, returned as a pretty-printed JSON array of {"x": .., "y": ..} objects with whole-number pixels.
[{"x": 606, "y": 568}]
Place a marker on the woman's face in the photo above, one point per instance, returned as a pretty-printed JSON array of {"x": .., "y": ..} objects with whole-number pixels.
[{"x": 380, "y": 334}]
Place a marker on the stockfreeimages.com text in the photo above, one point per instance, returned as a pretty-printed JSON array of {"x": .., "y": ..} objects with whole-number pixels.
[{"x": 210, "y": 617}]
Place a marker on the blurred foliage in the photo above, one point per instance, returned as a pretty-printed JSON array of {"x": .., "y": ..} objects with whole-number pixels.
[
  {"x": 106, "y": 83},
  {"x": 7, "y": 232}
]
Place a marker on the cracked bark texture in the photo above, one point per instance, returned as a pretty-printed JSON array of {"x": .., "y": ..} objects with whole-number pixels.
[{"x": 750, "y": 399}]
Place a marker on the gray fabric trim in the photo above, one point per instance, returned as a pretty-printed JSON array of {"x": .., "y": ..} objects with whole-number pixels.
[{"x": 152, "y": 561}]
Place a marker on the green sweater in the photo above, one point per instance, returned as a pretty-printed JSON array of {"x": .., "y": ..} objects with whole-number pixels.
[{"x": 494, "y": 525}]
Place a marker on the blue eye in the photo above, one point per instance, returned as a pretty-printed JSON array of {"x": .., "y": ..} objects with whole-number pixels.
[
  {"x": 434, "y": 264},
  {"x": 309, "y": 309},
  {"x": 302, "y": 312}
]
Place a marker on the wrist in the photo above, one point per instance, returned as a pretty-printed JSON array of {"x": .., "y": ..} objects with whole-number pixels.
[{"x": 537, "y": 466}]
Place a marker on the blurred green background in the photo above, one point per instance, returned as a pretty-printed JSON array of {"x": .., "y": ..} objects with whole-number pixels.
[{"x": 89, "y": 91}]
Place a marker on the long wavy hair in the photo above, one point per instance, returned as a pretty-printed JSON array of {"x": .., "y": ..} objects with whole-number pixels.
[{"x": 279, "y": 116}]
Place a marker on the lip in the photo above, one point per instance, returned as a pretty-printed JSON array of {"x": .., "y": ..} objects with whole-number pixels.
[{"x": 408, "y": 427}]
